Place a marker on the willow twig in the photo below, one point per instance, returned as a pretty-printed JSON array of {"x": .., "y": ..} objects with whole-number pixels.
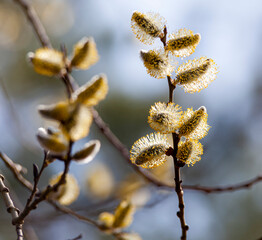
[
  {"x": 68, "y": 211},
  {"x": 35, "y": 22},
  {"x": 11, "y": 208},
  {"x": 43, "y": 195},
  {"x": 14, "y": 169},
  {"x": 177, "y": 164},
  {"x": 228, "y": 188},
  {"x": 36, "y": 180}
]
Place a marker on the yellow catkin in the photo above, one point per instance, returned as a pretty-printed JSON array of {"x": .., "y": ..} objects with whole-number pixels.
[
  {"x": 87, "y": 153},
  {"x": 78, "y": 126},
  {"x": 123, "y": 215},
  {"x": 53, "y": 140},
  {"x": 68, "y": 192},
  {"x": 164, "y": 118},
  {"x": 147, "y": 26},
  {"x": 47, "y": 61},
  {"x": 92, "y": 92},
  {"x": 157, "y": 63},
  {"x": 149, "y": 151},
  {"x": 196, "y": 74},
  {"x": 194, "y": 124},
  {"x": 60, "y": 111},
  {"x": 182, "y": 43},
  {"x": 85, "y": 54},
  {"x": 107, "y": 219},
  {"x": 189, "y": 152}
]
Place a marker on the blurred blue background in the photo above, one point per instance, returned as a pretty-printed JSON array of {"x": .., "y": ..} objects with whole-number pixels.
[{"x": 231, "y": 34}]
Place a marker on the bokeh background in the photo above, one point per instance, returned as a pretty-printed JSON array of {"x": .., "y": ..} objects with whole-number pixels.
[{"x": 231, "y": 34}]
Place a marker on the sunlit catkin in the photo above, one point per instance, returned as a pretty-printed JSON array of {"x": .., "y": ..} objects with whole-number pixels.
[
  {"x": 164, "y": 118},
  {"x": 196, "y": 74},
  {"x": 157, "y": 63},
  {"x": 150, "y": 151},
  {"x": 53, "y": 139},
  {"x": 60, "y": 111},
  {"x": 92, "y": 92},
  {"x": 194, "y": 123},
  {"x": 189, "y": 152},
  {"x": 147, "y": 26},
  {"x": 87, "y": 153},
  {"x": 106, "y": 219},
  {"x": 68, "y": 192},
  {"x": 47, "y": 61},
  {"x": 78, "y": 125},
  {"x": 123, "y": 215},
  {"x": 85, "y": 54},
  {"x": 182, "y": 43}
]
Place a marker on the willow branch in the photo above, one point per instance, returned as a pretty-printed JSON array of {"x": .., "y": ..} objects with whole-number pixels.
[
  {"x": 36, "y": 180},
  {"x": 70, "y": 212},
  {"x": 177, "y": 164},
  {"x": 43, "y": 195},
  {"x": 15, "y": 170},
  {"x": 179, "y": 190},
  {"x": 11, "y": 208},
  {"x": 228, "y": 188},
  {"x": 28, "y": 230},
  {"x": 35, "y": 22}
]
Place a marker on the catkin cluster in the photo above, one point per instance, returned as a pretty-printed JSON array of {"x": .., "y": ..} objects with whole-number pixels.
[
  {"x": 168, "y": 118},
  {"x": 72, "y": 117}
]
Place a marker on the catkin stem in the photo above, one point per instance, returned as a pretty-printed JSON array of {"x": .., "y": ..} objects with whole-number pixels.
[{"x": 178, "y": 181}]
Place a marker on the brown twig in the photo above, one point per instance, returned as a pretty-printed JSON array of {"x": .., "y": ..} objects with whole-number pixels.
[
  {"x": 68, "y": 211},
  {"x": 43, "y": 195},
  {"x": 37, "y": 176},
  {"x": 177, "y": 164},
  {"x": 229, "y": 188},
  {"x": 28, "y": 230},
  {"x": 35, "y": 22},
  {"x": 11, "y": 208},
  {"x": 14, "y": 169}
]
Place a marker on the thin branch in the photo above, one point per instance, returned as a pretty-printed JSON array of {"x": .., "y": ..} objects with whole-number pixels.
[
  {"x": 11, "y": 208},
  {"x": 228, "y": 188},
  {"x": 15, "y": 170},
  {"x": 179, "y": 190},
  {"x": 28, "y": 230},
  {"x": 68, "y": 211},
  {"x": 36, "y": 180},
  {"x": 35, "y": 22},
  {"x": 177, "y": 164},
  {"x": 43, "y": 195}
]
